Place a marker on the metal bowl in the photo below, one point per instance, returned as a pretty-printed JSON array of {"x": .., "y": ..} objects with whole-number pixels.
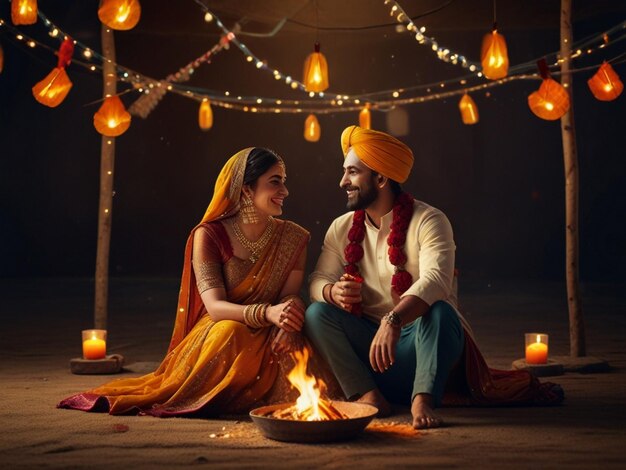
[{"x": 289, "y": 430}]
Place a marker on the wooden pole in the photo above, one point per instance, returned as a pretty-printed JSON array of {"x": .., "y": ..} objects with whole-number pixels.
[
  {"x": 568, "y": 133},
  {"x": 105, "y": 209}
]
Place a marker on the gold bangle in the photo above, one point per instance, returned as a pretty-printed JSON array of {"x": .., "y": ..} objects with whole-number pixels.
[{"x": 393, "y": 319}]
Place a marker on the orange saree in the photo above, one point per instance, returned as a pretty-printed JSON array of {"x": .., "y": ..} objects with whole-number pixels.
[
  {"x": 218, "y": 367},
  {"x": 212, "y": 367}
]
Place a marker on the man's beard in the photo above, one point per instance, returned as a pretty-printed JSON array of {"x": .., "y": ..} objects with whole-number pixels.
[{"x": 365, "y": 196}]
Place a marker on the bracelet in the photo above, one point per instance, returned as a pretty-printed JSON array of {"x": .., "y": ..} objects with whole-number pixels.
[
  {"x": 255, "y": 315},
  {"x": 330, "y": 294},
  {"x": 392, "y": 319}
]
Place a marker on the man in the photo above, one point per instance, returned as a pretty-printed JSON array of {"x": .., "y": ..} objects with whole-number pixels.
[{"x": 384, "y": 314}]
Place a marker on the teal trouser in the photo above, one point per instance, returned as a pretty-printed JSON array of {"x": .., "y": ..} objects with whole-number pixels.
[{"x": 427, "y": 351}]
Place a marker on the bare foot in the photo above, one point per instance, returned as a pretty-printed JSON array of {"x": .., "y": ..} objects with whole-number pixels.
[
  {"x": 422, "y": 410},
  {"x": 375, "y": 398}
]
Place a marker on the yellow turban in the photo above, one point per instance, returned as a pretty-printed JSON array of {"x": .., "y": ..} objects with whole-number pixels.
[{"x": 379, "y": 152}]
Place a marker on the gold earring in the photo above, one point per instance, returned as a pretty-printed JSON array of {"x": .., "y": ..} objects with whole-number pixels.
[{"x": 247, "y": 210}]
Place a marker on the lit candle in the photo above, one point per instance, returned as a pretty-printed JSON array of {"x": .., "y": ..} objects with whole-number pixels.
[
  {"x": 536, "y": 348},
  {"x": 94, "y": 344}
]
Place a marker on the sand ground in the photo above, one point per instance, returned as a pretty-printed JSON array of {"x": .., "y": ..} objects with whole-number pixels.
[{"x": 42, "y": 320}]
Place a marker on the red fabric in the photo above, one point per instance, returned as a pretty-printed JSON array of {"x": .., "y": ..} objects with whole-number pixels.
[{"x": 483, "y": 386}]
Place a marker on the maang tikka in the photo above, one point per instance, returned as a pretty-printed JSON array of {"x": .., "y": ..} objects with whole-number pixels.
[{"x": 247, "y": 211}]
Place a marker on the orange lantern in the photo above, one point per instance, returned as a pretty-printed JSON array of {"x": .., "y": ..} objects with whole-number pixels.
[
  {"x": 493, "y": 56},
  {"x": 605, "y": 84},
  {"x": 120, "y": 14},
  {"x": 469, "y": 110},
  {"x": 365, "y": 117},
  {"x": 312, "y": 129},
  {"x": 53, "y": 89},
  {"x": 315, "y": 71},
  {"x": 205, "y": 115},
  {"x": 112, "y": 119},
  {"x": 24, "y": 11},
  {"x": 550, "y": 102}
]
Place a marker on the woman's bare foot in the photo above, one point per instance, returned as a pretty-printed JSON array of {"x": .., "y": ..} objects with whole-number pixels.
[
  {"x": 375, "y": 398},
  {"x": 422, "y": 410}
]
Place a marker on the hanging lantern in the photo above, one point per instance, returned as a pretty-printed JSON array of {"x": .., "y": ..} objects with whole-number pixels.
[
  {"x": 112, "y": 119},
  {"x": 550, "y": 102},
  {"x": 469, "y": 110},
  {"x": 205, "y": 115},
  {"x": 605, "y": 84},
  {"x": 120, "y": 14},
  {"x": 52, "y": 90},
  {"x": 312, "y": 129},
  {"x": 365, "y": 117},
  {"x": 315, "y": 71},
  {"x": 493, "y": 56},
  {"x": 24, "y": 11}
]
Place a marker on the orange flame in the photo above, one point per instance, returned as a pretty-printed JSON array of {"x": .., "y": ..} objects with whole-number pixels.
[{"x": 310, "y": 406}]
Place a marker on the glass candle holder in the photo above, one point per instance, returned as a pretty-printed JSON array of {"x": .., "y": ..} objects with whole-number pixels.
[
  {"x": 94, "y": 344},
  {"x": 536, "y": 348}
]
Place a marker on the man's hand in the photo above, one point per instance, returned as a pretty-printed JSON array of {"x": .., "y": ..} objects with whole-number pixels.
[
  {"x": 346, "y": 292},
  {"x": 383, "y": 347}
]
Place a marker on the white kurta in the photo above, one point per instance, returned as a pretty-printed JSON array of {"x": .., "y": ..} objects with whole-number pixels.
[{"x": 429, "y": 248}]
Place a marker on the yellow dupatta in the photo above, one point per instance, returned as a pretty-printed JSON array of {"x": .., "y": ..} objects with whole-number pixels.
[{"x": 225, "y": 203}]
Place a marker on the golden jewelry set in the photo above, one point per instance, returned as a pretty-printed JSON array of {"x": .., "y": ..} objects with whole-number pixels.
[{"x": 255, "y": 248}]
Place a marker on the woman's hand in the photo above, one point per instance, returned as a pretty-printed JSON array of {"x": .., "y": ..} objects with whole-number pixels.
[
  {"x": 383, "y": 347},
  {"x": 288, "y": 316}
]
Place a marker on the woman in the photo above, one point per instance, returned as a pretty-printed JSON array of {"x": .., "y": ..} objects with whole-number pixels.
[{"x": 238, "y": 303}]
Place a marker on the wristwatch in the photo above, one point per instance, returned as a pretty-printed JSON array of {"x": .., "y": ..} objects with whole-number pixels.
[{"x": 393, "y": 319}]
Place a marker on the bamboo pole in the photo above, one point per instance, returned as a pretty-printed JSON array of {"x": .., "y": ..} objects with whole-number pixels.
[
  {"x": 570, "y": 160},
  {"x": 105, "y": 209}
]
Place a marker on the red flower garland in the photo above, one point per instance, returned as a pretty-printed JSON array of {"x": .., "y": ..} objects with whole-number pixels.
[{"x": 402, "y": 213}]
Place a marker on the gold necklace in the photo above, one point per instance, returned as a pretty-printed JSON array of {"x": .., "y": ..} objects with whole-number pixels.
[{"x": 255, "y": 248}]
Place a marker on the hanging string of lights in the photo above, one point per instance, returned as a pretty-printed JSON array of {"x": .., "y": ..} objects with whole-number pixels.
[{"x": 380, "y": 100}]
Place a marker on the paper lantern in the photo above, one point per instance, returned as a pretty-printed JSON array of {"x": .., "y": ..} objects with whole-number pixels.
[
  {"x": 469, "y": 110},
  {"x": 550, "y": 102},
  {"x": 493, "y": 56},
  {"x": 112, "y": 119},
  {"x": 120, "y": 14},
  {"x": 605, "y": 84},
  {"x": 315, "y": 71},
  {"x": 24, "y": 11},
  {"x": 53, "y": 89},
  {"x": 365, "y": 117},
  {"x": 205, "y": 115},
  {"x": 312, "y": 129}
]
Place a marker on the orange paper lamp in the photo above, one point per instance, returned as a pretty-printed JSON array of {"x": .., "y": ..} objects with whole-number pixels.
[
  {"x": 120, "y": 14},
  {"x": 312, "y": 129},
  {"x": 24, "y": 11},
  {"x": 205, "y": 115},
  {"x": 112, "y": 119},
  {"x": 53, "y": 89},
  {"x": 605, "y": 84},
  {"x": 550, "y": 102},
  {"x": 365, "y": 117},
  {"x": 493, "y": 56},
  {"x": 315, "y": 71},
  {"x": 469, "y": 110}
]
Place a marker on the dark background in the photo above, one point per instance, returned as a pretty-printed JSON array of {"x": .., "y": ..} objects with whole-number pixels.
[{"x": 500, "y": 182}]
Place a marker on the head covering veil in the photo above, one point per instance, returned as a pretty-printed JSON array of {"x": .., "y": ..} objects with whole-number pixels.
[{"x": 225, "y": 203}]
